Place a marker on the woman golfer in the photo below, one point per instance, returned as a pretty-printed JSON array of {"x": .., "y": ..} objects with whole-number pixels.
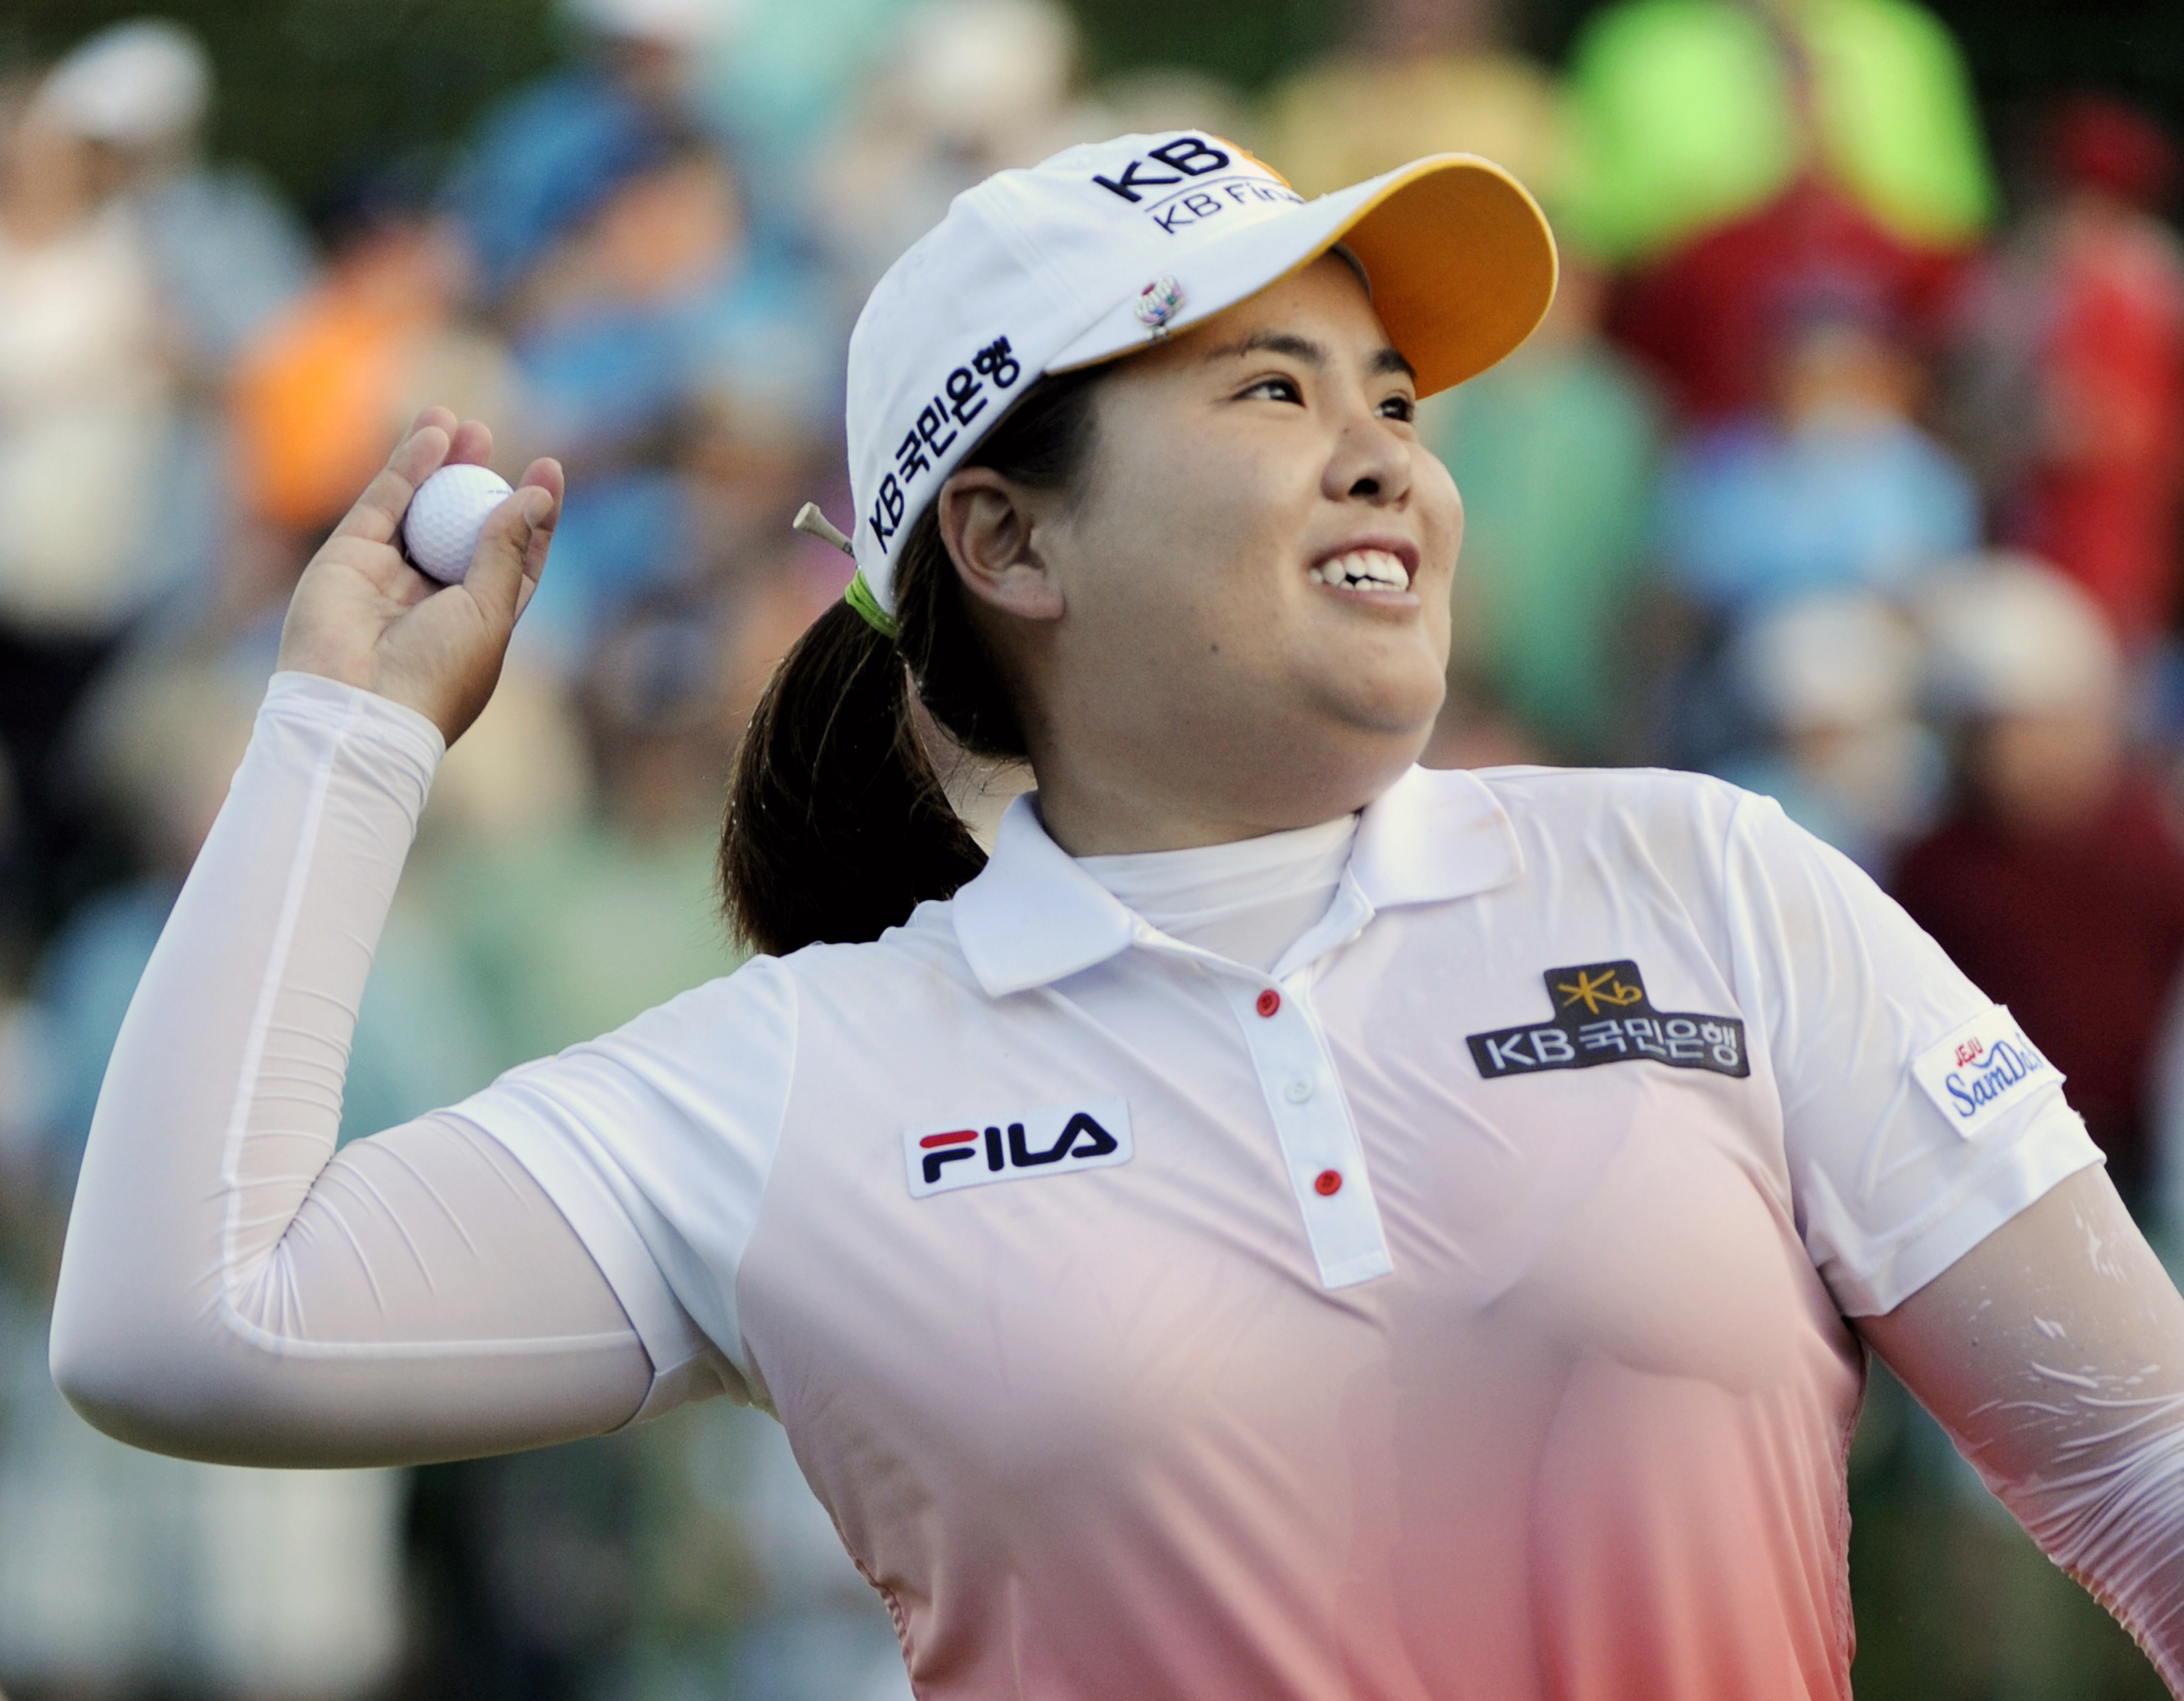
[{"x": 1289, "y": 1224}]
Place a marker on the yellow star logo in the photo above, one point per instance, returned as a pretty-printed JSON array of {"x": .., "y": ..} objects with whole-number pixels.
[{"x": 1593, "y": 991}]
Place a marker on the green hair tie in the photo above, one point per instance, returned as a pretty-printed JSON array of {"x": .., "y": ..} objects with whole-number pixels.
[{"x": 860, "y": 597}]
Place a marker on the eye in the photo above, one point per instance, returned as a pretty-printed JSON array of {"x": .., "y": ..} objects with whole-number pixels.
[
  {"x": 1400, "y": 407},
  {"x": 1274, "y": 388}
]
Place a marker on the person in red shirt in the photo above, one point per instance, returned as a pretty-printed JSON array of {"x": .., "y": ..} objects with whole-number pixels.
[
  {"x": 1707, "y": 321},
  {"x": 2077, "y": 367},
  {"x": 2056, "y": 882}
]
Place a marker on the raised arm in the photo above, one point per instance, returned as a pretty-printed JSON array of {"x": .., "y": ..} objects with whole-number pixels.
[
  {"x": 230, "y": 1289},
  {"x": 2053, "y": 1354}
]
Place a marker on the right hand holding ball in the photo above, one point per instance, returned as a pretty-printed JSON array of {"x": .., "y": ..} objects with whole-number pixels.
[{"x": 363, "y": 615}]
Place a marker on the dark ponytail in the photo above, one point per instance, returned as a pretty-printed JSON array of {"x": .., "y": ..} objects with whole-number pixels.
[{"x": 838, "y": 826}]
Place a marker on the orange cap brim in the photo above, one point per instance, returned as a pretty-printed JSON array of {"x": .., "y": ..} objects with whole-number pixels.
[{"x": 1461, "y": 263}]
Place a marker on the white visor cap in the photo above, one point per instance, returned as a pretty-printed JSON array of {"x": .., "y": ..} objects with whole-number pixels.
[
  {"x": 2009, "y": 634},
  {"x": 138, "y": 84},
  {"x": 1108, "y": 247}
]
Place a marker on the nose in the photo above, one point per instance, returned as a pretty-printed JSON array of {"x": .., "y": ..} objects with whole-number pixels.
[{"x": 1371, "y": 463}]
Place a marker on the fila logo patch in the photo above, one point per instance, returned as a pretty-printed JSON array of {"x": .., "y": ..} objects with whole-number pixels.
[
  {"x": 942, "y": 1157},
  {"x": 1982, "y": 1071},
  {"x": 1602, "y": 1015}
]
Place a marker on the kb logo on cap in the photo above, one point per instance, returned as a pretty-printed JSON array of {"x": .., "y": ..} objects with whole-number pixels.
[
  {"x": 1187, "y": 157},
  {"x": 1188, "y": 181}
]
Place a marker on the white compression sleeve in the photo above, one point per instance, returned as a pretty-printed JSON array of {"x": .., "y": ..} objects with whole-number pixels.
[
  {"x": 230, "y": 1289},
  {"x": 2053, "y": 1354}
]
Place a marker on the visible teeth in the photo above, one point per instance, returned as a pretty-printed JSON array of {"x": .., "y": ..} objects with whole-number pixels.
[{"x": 1360, "y": 568}]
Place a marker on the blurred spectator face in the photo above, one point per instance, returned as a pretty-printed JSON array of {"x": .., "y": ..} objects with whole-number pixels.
[
  {"x": 48, "y": 181},
  {"x": 659, "y": 233},
  {"x": 667, "y": 230},
  {"x": 2046, "y": 772},
  {"x": 1840, "y": 370}
]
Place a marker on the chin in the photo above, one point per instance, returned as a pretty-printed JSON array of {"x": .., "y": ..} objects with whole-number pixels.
[{"x": 1399, "y": 704}]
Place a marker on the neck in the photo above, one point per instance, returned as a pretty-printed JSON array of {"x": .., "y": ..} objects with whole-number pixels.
[{"x": 1090, "y": 809}]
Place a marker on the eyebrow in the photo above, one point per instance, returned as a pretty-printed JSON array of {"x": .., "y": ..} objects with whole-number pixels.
[
  {"x": 1272, "y": 343},
  {"x": 1385, "y": 361},
  {"x": 1391, "y": 359}
]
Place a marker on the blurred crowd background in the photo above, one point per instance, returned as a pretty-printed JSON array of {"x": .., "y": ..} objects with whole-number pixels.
[{"x": 1847, "y": 466}]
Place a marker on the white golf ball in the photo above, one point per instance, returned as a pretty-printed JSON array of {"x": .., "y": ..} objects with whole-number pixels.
[{"x": 441, "y": 529}]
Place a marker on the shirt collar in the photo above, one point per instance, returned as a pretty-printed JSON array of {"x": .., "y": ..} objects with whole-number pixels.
[{"x": 1032, "y": 917}]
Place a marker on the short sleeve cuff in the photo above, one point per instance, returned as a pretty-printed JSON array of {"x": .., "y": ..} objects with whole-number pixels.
[
  {"x": 672, "y": 1341},
  {"x": 2049, "y": 1148}
]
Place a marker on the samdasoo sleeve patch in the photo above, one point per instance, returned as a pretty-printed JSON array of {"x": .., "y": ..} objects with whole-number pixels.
[{"x": 1983, "y": 1070}]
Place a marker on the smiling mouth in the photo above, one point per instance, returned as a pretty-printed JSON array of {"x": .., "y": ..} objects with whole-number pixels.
[{"x": 1362, "y": 570}]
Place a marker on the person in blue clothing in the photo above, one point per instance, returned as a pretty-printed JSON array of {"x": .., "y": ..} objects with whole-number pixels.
[
  {"x": 1835, "y": 489},
  {"x": 646, "y": 314}
]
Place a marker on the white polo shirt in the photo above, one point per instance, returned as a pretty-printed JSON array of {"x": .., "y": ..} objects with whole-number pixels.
[{"x": 1454, "y": 1311}]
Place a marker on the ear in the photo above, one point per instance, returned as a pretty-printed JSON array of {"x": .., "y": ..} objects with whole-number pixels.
[{"x": 990, "y": 527}]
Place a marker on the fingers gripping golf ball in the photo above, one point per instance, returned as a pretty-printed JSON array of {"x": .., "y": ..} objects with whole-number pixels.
[{"x": 441, "y": 530}]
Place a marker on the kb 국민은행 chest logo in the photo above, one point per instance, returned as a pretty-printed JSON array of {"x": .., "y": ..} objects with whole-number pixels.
[
  {"x": 1602, "y": 1015},
  {"x": 942, "y": 1157}
]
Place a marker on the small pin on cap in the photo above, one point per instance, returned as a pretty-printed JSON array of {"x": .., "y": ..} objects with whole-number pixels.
[{"x": 1157, "y": 302}]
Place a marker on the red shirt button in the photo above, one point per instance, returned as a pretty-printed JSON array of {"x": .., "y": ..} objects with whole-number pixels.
[
  {"x": 1328, "y": 1182},
  {"x": 1269, "y": 1001}
]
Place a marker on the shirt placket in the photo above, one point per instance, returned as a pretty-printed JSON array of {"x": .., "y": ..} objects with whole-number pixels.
[{"x": 1317, "y": 1134}]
